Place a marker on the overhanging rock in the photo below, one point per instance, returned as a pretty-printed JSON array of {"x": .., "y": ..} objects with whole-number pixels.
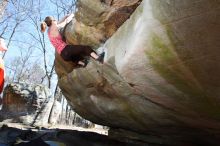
[{"x": 160, "y": 81}]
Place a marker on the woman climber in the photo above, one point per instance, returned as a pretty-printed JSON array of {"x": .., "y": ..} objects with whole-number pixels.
[{"x": 74, "y": 53}]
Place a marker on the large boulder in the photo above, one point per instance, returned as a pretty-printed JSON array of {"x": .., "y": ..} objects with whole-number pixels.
[
  {"x": 160, "y": 81},
  {"x": 34, "y": 105},
  {"x": 27, "y": 103}
]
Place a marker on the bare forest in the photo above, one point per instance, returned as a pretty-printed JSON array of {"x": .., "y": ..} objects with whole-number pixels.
[{"x": 30, "y": 58}]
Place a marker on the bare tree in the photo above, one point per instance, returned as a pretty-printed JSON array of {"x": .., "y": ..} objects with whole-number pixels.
[
  {"x": 27, "y": 66},
  {"x": 22, "y": 68},
  {"x": 64, "y": 7},
  {"x": 40, "y": 39},
  {"x": 13, "y": 18},
  {"x": 3, "y": 4}
]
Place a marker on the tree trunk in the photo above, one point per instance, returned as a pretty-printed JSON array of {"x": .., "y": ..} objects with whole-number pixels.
[{"x": 3, "y": 5}]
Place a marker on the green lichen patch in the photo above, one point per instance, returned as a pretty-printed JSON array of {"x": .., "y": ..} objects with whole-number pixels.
[{"x": 166, "y": 62}]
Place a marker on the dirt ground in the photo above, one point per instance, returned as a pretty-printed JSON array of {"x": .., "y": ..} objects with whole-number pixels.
[
  {"x": 15, "y": 134},
  {"x": 97, "y": 129}
]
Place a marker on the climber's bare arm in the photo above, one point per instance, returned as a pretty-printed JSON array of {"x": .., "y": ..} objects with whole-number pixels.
[{"x": 66, "y": 19}]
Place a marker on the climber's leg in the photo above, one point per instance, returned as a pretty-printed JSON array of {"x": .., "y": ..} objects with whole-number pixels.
[
  {"x": 94, "y": 55},
  {"x": 77, "y": 53},
  {"x": 84, "y": 51},
  {"x": 90, "y": 52},
  {"x": 66, "y": 53},
  {"x": 71, "y": 53},
  {"x": 81, "y": 63}
]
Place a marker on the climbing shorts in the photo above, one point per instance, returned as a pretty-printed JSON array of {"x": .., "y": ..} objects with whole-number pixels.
[{"x": 76, "y": 53}]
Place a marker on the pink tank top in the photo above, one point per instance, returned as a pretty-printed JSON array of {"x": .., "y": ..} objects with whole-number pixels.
[{"x": 57, "y": 42}]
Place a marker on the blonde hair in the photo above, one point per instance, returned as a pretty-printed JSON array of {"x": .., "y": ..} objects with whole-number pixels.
[
  {"x": 47, "y": 22},
  {"x": 43, "y": 26}
]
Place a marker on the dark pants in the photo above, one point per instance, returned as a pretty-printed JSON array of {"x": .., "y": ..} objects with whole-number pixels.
[{"x": 76, "y": 53}]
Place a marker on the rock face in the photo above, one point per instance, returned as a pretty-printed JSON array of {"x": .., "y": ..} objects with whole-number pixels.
[
  {"x": 160, "y": 81},
  {"x": 34, "y": 105},
  {"x": 95, "y": 21},
  {"x": 28, "y": 104}
]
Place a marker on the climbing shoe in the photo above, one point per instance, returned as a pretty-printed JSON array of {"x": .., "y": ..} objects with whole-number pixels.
[{"x": 101, "y": 57}]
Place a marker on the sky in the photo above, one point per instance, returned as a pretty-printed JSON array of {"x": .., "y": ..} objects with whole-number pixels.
[
  {"x": 21, "y": 36},
  {"x": 22, "y": 40}
]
